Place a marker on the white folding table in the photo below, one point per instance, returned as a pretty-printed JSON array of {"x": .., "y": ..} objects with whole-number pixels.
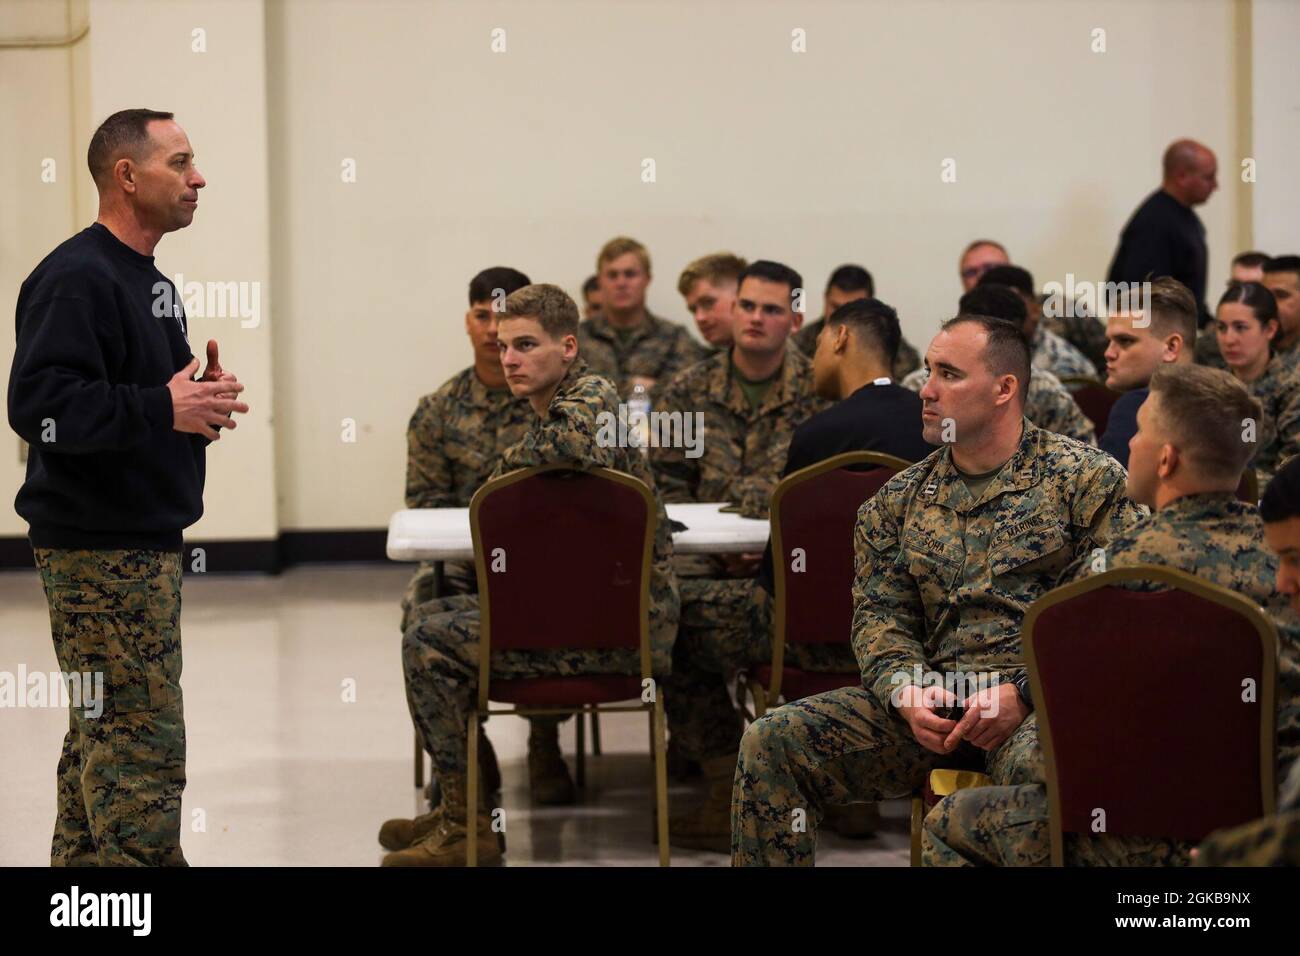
[{"x": 442, "y": 534}]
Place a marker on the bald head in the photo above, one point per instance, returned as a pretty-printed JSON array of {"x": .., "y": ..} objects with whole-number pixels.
[{"x": 1190, "y": 172}]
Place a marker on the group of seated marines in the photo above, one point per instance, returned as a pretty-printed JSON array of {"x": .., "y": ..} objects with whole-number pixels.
[{"x": 1009, "y": 497}]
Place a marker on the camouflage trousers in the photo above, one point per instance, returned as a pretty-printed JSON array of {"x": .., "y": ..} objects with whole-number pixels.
[
  {"x": 1270, "y": 841},
  {"x": 835, "y": 748},
  {"x": 440, "y": 661},
  {"x": 726, "y": 626},
  {"x": 121, "y": 773},
  {"x": 458, "y": 577},
  {"x": 1008, "y": 826}
]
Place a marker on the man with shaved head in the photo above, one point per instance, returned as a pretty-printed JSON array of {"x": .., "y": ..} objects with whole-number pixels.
[
  {"x": 948, "y": 556},
  {"x": 103, "y": 390},
  {"x": 1165, "y": 237}
]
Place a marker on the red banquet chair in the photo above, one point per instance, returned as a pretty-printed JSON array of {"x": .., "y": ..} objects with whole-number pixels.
[
  {"x": 1143, "y": 709},
  {"x": 1094, "y": 399},
  {"x": 598, "y": 528},
  {"x": 815, "y": 509}
]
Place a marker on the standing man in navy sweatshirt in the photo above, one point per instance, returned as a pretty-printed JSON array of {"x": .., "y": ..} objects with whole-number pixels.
[{"x": 102, "y": 389}]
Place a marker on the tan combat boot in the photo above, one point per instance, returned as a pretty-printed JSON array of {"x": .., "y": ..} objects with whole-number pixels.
[
  {"x": 709, "y": 826},
  {"x": 548, "y": 777},
  {"x": 398, "y": 834},
  {"x": 487, "y": 761},
  {"x": 445, "y": 844}
]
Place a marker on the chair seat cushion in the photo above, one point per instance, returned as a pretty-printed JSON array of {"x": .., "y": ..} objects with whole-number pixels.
[
  {"x": 796, "y": 683},
  {"x": 573, "y": 691}
]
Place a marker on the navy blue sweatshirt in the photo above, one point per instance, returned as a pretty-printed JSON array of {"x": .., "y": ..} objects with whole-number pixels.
[{"x": 88, "y": 392}]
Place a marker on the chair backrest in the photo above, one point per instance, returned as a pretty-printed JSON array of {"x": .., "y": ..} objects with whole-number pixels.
[
  {"x": 814, "y": 510},
  {"x": 1155, "y": 708},
  {"x": 1094, "y": 399},
  {"x": 564, "y": 560}
]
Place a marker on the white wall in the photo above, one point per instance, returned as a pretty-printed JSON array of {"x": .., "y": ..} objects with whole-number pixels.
[{"x": 532, "y": 158}]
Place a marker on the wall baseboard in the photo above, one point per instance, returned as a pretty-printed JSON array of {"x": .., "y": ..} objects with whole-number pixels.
[{"x": 267, "y": 556}]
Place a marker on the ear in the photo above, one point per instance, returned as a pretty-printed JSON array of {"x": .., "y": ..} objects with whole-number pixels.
[
  {"x": 1008, "y": 385},
  {"x": 796, "y": 322},
  {"x": 841, "y": 341},
  {"x": 570, "y": 348},
  {"x": 124, "y": 174},
  {"x": 1169, "y": 461},
  {"x": 1174, "y": 346}
]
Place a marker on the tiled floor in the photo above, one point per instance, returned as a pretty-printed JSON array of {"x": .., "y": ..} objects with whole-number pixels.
[{"x": 282, "y": 771}]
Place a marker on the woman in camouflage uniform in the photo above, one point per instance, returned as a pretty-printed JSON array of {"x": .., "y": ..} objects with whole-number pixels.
[{"x": 1245, "y": 325}]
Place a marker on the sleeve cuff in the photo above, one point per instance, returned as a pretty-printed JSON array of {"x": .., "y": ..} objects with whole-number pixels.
[{"x": 158, "y": 406}]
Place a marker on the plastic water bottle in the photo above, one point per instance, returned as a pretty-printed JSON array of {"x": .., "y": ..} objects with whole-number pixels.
[{"x": 638, "y": 418}]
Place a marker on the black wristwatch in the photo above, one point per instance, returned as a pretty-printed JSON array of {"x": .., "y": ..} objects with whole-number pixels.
[{"x": 1022, "y": 688}]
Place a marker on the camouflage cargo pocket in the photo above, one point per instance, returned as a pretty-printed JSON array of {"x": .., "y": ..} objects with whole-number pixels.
[{"x": 117, "y": 629}]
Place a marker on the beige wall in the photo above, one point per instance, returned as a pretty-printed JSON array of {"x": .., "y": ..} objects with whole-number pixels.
[
  {"x": 467, "y": 158},
  {"x": 1275, "y": 124},
  {"x": 141, "y": 53}
]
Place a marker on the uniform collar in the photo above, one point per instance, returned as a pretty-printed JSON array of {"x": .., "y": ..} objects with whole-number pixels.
[
  {"x": 576, "y": 371},
  {"x": 1205, "y": 506},
  {"x": 945, "y": 485},
  {"x": 790, "y": 384},
  {"x": 480, "y": 394},
  {"x": 602, "y": 329}
]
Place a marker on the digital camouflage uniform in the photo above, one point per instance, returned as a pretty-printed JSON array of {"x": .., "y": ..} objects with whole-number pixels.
[
  {"x": 1051, "y": 353},
  {"x": 908, "y": 359},
  {"x": 744, "y": 447},
  {"x": 1213, "y": 536},
  {"x": 1275, "y": 389},
  {"x": 1270, "y": 841},
  {"x": 1049, "y": 405},
  {"x": 1085, "y": 332},
  {"x": 121, "y": 774},
  {"x": 725, "y": 620},
  {"x": 440, "y": 646},
  {"x": 726, "y": 626},
  {"x": 657, "y": 349},
  {"x": 942, "y": 584},
  {"x": 453, "y": 443}
]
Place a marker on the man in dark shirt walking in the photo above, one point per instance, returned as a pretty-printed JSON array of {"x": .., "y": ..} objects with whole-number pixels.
[
  {"x": 102, "y": 389},
  {"x": 1165, "y": 237}
]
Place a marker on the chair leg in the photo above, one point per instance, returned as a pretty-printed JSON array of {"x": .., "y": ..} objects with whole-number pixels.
[
  {"x": 661, "y": 777},
  {"x": 918, "y": 815},
  {"x": 595, "y": 732},
  {"x": 760, "y": 700},
  {"x": 580, "y": 731},
  {"x": 419, "y": 761},
  {"x": 471, "y": 794}
]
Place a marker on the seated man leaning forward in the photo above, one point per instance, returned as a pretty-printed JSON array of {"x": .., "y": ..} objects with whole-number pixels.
[
  {"x": 537, "y": 335},
  {"x": 1185, "y": 462},
  {"x": 949, "y": 555}
]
